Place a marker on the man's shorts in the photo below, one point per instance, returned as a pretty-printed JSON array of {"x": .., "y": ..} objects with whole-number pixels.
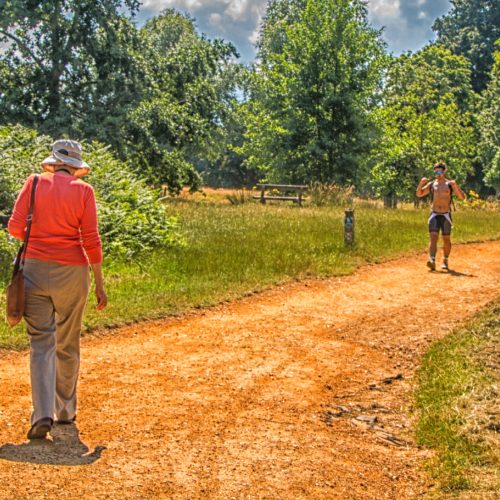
[{"x": 439, "y": 222}]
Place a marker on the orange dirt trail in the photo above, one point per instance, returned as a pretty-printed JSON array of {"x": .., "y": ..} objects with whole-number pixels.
[{"x": 278, "y": 395}]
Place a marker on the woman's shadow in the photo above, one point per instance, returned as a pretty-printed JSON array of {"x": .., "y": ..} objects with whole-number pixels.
[{"x": 65, "y": 448}]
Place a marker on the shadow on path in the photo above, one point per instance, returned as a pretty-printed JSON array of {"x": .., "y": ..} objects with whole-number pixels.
[
  {"x": 65, "y": 448},
  {"x": 452, "y": 272}
]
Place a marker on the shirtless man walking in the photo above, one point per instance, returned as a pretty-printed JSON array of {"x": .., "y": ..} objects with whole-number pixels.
[{"x": 441, "y": 191}]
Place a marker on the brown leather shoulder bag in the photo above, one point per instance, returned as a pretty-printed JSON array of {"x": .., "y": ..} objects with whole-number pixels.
[{"x": 15, "y": 290}]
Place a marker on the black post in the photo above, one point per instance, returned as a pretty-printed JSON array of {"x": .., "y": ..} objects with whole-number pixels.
[{"x": 349, "y": 226}]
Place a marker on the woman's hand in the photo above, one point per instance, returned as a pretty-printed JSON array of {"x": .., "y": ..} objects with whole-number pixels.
[
  {"x": 100, "y": 294},
  {"x": 102, "y": 298}
]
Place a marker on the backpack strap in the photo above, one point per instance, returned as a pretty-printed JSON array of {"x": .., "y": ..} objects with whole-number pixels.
[{"x": 452, "y": 202}]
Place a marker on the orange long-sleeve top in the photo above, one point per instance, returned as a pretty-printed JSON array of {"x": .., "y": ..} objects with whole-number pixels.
[{"x": 64, "y": 227}]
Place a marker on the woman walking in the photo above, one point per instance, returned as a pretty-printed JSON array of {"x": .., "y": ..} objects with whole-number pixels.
[{"x": 64, "y": 239}]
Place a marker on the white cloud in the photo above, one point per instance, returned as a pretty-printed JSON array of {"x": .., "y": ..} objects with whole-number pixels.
[
  {"x": 384, "y": 8},
  {"x": 407, "y": 22},
  {"x": 215, "y": 19},
  {"x": 254, "y": 37}
]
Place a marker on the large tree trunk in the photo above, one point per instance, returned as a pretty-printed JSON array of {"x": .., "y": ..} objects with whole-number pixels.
[
  {"x": 56, "y": 66},
  {"x": 390, "y": 201}
]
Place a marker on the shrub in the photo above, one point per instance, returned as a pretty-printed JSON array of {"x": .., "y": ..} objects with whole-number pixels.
[
  {"x": 21, "y": 151},
  {"x": 239, "y": 197},
  {"x": 132, "y": 217},
  {"x": 7, "y": 253},
  {"x": 330, "y": 194}
]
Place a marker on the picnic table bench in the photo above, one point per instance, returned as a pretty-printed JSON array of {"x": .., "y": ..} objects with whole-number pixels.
[{"x": 281, "y": 188}]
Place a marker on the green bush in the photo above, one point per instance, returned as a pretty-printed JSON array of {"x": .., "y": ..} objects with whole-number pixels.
[
  {"x": 7, "y": 254},
  {"x": 132, "y": 217},
  {"x": 21, "y": 151}
]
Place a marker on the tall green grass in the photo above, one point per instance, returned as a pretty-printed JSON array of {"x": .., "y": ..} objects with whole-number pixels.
[
  {"x": 232, "y": 250},
  {"x": 457, "y": 401}
]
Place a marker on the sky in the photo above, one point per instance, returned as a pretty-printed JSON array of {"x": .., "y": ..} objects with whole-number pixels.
[{"x": 407, "y": 23}]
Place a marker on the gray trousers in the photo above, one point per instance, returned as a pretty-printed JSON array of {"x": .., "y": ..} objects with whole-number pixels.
[{"x": 55, "y": 301}]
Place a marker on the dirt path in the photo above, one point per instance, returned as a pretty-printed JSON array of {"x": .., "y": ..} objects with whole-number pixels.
[{"x": 280, "y": 395}]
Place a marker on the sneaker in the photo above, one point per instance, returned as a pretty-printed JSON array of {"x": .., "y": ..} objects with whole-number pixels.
[
  {"x": 431, "y": 264},
  {"x": 444, "y": 266},
  {"x": 40, "y": 429}
]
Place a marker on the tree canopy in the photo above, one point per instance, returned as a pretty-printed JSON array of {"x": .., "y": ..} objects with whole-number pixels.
[
  {"x": 322, "y": 102},
  {"x": 83, "y": 69},
  {"x": 425, "y": 118},
  {"x": 307, "y": 118},
  {"x": 471, "y": 29},
  {"x": 67, "y": 67},
  {"x": 489, "y": 126}
]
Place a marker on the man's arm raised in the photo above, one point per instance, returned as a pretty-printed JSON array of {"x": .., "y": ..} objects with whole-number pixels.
[
  {"x": 457, "y": 191},
  {"x": 424, "y": 187}
]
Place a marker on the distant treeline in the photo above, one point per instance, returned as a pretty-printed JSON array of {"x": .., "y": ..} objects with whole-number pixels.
[{"x": 323, "y": 102}]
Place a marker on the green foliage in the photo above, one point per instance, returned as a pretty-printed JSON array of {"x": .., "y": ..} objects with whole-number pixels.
[
  {"x": 280, "y": 15},
  {"x": 455, "y": 397},
  {"x": 429, "y": 77},
  {"x": 489, "y": 126},
  {"x": 230, "y": 169},
  {"x": 21, "y": 151},
  {"x": 470, "y": 29},
  {"x": 425, "y": 118},
  {"x": 177, "y": 123},
  {"x": 157, "y": 95},
  {"x": 307, "y": 118},
  {"x": 8, "y": 249},
  {"x": 67, "y": 66},
  {"x": 132, "y": 218}
]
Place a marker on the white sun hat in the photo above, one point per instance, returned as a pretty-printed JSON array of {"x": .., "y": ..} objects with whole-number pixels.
[{"x": 67, "y": 152}]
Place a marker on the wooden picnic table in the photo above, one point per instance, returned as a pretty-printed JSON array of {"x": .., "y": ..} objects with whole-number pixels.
[{"x": 281, "y": 188}]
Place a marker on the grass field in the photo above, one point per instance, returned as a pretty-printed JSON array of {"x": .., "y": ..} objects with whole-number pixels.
[
  {"x": 457, "y": 399},
  {"x": 233, "y": 250}
]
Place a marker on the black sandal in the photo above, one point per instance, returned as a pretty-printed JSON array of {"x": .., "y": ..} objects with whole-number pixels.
[
  {"x": 40, "y": 429},
  {"x": 66, "y": 422}
]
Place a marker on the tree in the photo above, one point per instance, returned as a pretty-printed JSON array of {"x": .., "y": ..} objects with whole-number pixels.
[
  {"x": 489, "y": 126},
  {"x": 470, "y": 29},
  {"x": 67, "y": 67},
  {"x": 429, "y": 77},
  {"x": 178, "y": 122},
  {"x": 230, "y": 169},
  {"x": 280, "y": 15},
  {"x": 82, "y": 69},
  {"x": 412, "y": 142},
  {"x": 307, "y": 118},
  {"x": 425, "y": 118}
]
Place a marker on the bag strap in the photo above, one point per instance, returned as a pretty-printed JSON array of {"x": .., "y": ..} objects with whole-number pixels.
[
  {"x": 21, "y": 256},
  {"x": 452, "y": 202}
]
